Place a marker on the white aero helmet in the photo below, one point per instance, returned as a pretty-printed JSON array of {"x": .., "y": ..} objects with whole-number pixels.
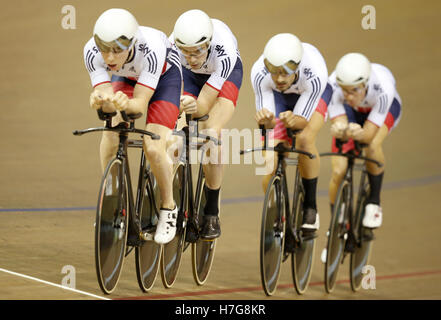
[
  {"x": 115, "y": 27},
  {"x": 283, "y": 50},
  {"x": 353, "y": 69},
  {"x": 193, "y": 28}
]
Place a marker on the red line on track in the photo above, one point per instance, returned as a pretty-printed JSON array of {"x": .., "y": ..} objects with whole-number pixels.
[{"x": 248, "y": 289}]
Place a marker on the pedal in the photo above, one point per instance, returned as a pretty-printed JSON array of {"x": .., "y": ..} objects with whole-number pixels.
[
  {"x": 148, "y": 233},
  {"x": 147, "y": 236},
  {"x": 191, "y": 236},
  {"x": 368, "y": 234},
  {"x": 135, "y": 241}
]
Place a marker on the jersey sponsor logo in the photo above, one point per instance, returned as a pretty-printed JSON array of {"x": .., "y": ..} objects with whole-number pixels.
[
  {"x": 144, "y": 49},
  {"x": 151, "y": 57},
  {"x": 95, "y": 49},
  {"x": 132, "y": 68},
  {"x": 220, "y": 51},
  {"x": 308, "y": 73},
  {"x": 378, "y": 88}
]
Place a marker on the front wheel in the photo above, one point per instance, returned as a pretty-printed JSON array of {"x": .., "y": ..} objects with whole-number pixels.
[
  {"x": 147, "y": 256},
  {"x": 337, "y": 236},
  {"x": 172, "y": 251},
  {"x": 272, "y": 235},
  {"x": 202, "y": 251},
  {"x": 111, "y": 226},
  {"x": 361, "y": 254},
  {"x": 303, "y": 256}
]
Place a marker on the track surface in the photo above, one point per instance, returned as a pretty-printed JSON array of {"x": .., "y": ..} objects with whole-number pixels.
[{"x": 50, "y": 178}]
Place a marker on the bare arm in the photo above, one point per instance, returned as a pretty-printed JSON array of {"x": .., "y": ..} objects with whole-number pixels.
[
  {"x": 140, "y": 100},
  {"x": 206, "y": 99}
]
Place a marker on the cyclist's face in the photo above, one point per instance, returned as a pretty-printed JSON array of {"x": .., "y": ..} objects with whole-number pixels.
[
  {"x": 354, "y": 95},
  {"x": 195, "y": 56},
  {"x": 115, "y": 60},
  {"x": 283, "y": 80}
]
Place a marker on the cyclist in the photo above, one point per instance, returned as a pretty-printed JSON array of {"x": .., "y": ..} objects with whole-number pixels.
[
  {"x": 212, "y": 73},
  {"x": 291, "y": 91},
  {"x": 145, "y": 78},
  {"x": 365, "y": 107}
]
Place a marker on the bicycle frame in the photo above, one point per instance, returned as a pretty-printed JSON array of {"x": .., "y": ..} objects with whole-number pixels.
[
  {"x": 189, "y": 197},
  {"x": 282, "y": 161},
  {"x": 353, "y": 233},
  {"x": 123, "y": 129}
]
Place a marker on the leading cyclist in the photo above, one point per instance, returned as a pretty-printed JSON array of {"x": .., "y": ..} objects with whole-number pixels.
[{"x": 145, "y": 78}]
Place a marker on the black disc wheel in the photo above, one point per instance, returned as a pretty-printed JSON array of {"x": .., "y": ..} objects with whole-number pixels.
[
  {"x": 272, "y": 235},
  {"x": 361, "y": 254},
  {"x": 111, "y": 226},
  {"x": 147, "y": 256},
  {"x": 202, "y": 251},
  {"x": 302, "y": 257},
  {"x": 337, "y": 236},
  {"x": 172, "y": 251}
]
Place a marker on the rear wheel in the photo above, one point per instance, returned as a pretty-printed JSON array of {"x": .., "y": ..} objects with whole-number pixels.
[
  {"x": 202, "y": 251},
  {"x": 111, "y": 226},
  {"x": 272, "y": 235},
  {"x": 337, "y": 236},
  {"x": 302, "y": 258},
  {"x": 147, "y": 256},
  {"x": 361, "y": 254},
  {"x": 172, "y": 251}
]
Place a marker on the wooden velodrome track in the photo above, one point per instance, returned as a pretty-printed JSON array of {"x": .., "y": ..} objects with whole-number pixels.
[{"x": 49, "y": 178}]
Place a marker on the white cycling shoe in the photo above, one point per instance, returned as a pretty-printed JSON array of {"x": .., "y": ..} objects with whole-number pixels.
[
  {"x": 166, "y": 228},
  {"x": 373, "y": 216}
]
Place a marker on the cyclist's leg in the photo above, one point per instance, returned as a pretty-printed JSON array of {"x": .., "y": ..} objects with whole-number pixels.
[
  {"x": 162, "y": 115},
  {"x": 339, "y": 166},
  {"x": 373, "y": 213},
  {"x": 278, "y": 134},
  {"x": 219, "y": 115},
  {"x": 271, "y": 159},
  {"x": 109, "y": 143},
  {"x": 309, "y": 169},
  {"x": 160, "y": 162},
  {"x": 275, "y": 137}
]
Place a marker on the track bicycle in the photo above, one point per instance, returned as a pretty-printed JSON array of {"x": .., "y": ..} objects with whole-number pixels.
[
  {"x": 122, "y": 222},
  {"x": 191, "y": 203},
  {"x": 281, "y": 234},
  {"x": 346, "y": 233}
]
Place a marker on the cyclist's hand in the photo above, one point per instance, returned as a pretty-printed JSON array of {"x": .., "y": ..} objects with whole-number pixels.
[
  {"x": 338, "y": 129},
  {"x": 120, "y": 101},
  {"x": 97, "y": 99},
  {"x": 287, "y": 118},
  {"x": 188, "y": 104},
  {"x": 265, "y": 117},
  {"x": 355, "y": 131}
]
